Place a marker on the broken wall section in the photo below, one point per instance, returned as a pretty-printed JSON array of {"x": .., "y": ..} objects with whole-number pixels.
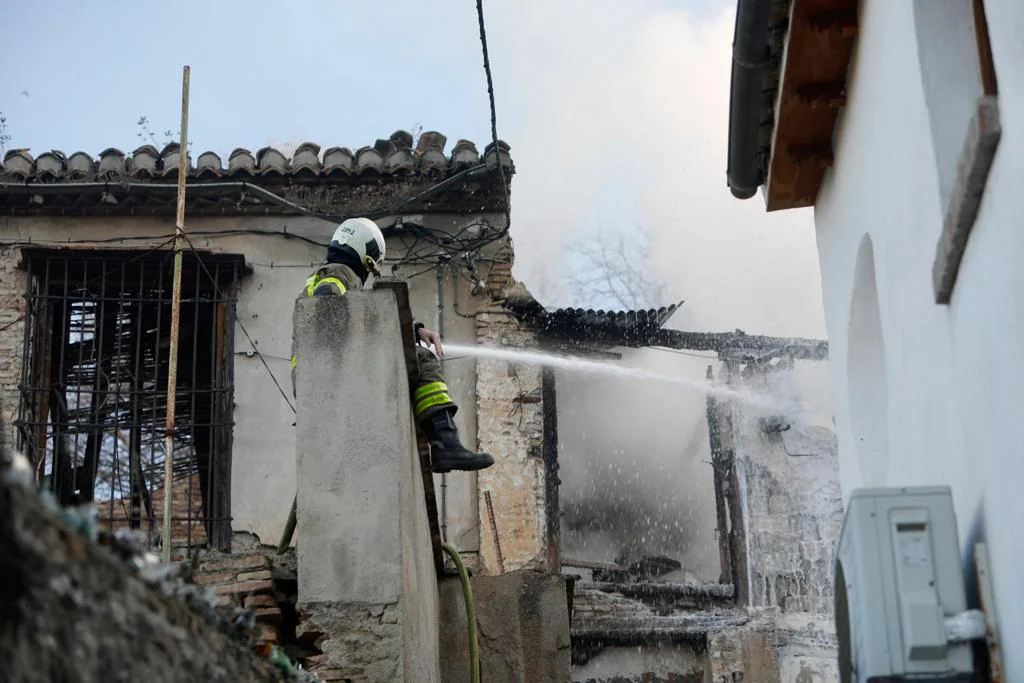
[
  {"x": 510, "y": 426},
  {"x": 785, "y": 464}
]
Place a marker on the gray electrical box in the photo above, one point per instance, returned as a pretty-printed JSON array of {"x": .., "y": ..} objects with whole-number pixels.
[{"x": 897, "y": 577}]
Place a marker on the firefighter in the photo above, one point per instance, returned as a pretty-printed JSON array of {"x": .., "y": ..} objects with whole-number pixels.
[{"x": 356, "y": 251}]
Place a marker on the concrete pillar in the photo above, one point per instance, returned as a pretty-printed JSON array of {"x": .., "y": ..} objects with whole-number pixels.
[{"x": 367, "y": 581}]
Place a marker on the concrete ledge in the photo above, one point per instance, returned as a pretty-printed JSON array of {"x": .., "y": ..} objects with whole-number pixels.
[
  {"x": 980, "y": 144},
  {"x": 367, "y": 581},
  {"x": 523, "y": 626}
]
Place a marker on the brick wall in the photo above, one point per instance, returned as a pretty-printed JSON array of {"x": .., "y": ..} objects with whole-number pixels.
[
  {"x": 248, "y": 578},
  {"x": 510, "y": 427},
  {"x": 187, "y": 528}
]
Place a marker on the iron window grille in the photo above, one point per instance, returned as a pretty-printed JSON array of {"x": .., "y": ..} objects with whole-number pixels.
[{"x": 93, "y": 394}]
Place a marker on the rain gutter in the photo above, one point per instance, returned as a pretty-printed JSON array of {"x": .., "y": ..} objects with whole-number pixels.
[{"x": 749, "y": 60}]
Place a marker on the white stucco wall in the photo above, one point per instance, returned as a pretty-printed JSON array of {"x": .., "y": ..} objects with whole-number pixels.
[
  {"x": 263, "y": 453},
  {"x": 953, "y": 375}
]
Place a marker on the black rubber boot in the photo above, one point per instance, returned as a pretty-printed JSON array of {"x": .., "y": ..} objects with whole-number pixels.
[{"x": 446, "y": 450}]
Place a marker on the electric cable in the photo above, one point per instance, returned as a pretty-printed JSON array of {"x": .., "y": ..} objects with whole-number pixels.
[
  {"x": 94, "y": 280},
  {"x": 241, "y": 326},
  {"x": 494, "y": 116}
]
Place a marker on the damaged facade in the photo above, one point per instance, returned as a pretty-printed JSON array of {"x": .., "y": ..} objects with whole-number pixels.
[
  {"x": 84, "y": 331},
  {"x": 700, "y": 530}
]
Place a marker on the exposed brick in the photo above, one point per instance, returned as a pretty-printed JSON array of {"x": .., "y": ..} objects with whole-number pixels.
[
  {"x": 215, "y": 578},
  {"x": 255, "y": 576},
  {"x": 517, "y": 481},
  {"x": 270, "y": 615},
  {"x": 254, "y": 601},
  {"x": 214, "y": 562},
  {"x": 269, "y": 633},
  {"x": 266, "y": 586}
]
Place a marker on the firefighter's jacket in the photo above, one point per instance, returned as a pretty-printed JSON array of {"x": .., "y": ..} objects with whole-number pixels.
[{"x": 431, "y": 393}]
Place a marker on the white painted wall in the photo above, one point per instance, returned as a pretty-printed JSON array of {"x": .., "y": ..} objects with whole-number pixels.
[
  {"x": 953, "y": 375},
  {"x": 263, "y": 453}
]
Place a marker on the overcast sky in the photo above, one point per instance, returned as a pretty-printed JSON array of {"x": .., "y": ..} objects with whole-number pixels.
[{"x": 616, "y": 113}]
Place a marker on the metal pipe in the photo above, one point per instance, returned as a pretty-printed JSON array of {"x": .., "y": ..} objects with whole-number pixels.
[
  {"x": 172, "y": 361},
  {"x": 749, "y": 59},
  {"x": 289, "y": 527},
  {"x": 494, "y": 532}
]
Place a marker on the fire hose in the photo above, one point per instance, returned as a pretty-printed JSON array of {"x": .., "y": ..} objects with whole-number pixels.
[{"x": 467, "y": 592}]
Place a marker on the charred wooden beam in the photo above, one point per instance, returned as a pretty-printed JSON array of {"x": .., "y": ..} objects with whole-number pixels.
[
  {"x": 692, "y": 627},
  {"x": 720, "y": 473},
  {"x": 814, "y": 152},
  {"x": 843, "y": 21},
  {"x": 667, "y": 589},
  {"x": 829, "y": 94},
  {"x": 803, "y": 349}
]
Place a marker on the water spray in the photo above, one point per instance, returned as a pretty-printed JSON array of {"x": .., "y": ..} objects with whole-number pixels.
[{"x": 576, "y": 364}]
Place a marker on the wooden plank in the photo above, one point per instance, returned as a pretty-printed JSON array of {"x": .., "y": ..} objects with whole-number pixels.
[
  {"x": 988, "y": 67},
  {"x": 401, "y": 290},
  {"x": 720, "y": 470},
  {"x": 812, "y": 91},
  {"x": 549, "y": 412}
]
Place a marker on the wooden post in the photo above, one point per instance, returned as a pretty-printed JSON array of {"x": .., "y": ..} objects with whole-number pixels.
[{"x": 172, "y": 365}]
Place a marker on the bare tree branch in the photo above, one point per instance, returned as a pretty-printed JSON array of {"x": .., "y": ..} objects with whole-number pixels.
[{"x": 613, "y": 271}]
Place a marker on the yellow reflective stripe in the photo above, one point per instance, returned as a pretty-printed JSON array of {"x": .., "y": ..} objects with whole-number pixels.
[
  {"x": 295, "y": 361},
  {"x": 431, "y": 401},
  {"x": 431, "y": 388},
  {"x": 312, "y": 282},
  {"x": 331, "y": 281}
]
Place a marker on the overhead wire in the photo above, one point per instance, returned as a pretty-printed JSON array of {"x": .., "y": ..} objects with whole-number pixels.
[
  {"x": 96, "y": 279},
  {"x": 238, "y": 321},
  {"x": 494, "y": 115}
]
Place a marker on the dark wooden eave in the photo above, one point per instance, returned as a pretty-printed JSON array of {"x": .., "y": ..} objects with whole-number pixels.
[{"x": 812, "y": 89}]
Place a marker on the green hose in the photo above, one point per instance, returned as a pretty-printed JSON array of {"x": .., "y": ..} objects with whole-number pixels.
[
  {"x": 289, "y": 528},
  {"x": 467, "y": 592}
]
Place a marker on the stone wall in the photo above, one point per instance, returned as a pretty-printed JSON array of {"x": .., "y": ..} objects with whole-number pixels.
[
  {"x": 12, "y": 331},
  {"x": 510, "y": 426},
  {"x": 792, "y": 509},
  {"x": 747, "y": 653},
  {"x": 253, "y": 577},
  {"x": 71, "y": 610},
  {"x": 523, "y": 628}
]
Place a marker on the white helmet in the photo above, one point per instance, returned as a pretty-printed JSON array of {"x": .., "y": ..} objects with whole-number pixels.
[{"x": 364, "y": 238}]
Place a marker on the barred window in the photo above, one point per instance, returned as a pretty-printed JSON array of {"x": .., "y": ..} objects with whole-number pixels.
[{"x": 93, "y": 395}]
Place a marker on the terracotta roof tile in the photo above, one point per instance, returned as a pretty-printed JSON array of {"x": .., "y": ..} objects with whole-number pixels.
[
  {"x": 50, "y": 165},
  {"x": 396, "y": 155},
  {"x": 208, "y": 165},
  {"x": 306, "y": 160},
  {"x": 18, "y": 163},
  {"x": 143, "y": 163},
  {"x": 338, "y": 161},
  {"x": 398, "y": 161},
  {"x": 111, "y": 164}
]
